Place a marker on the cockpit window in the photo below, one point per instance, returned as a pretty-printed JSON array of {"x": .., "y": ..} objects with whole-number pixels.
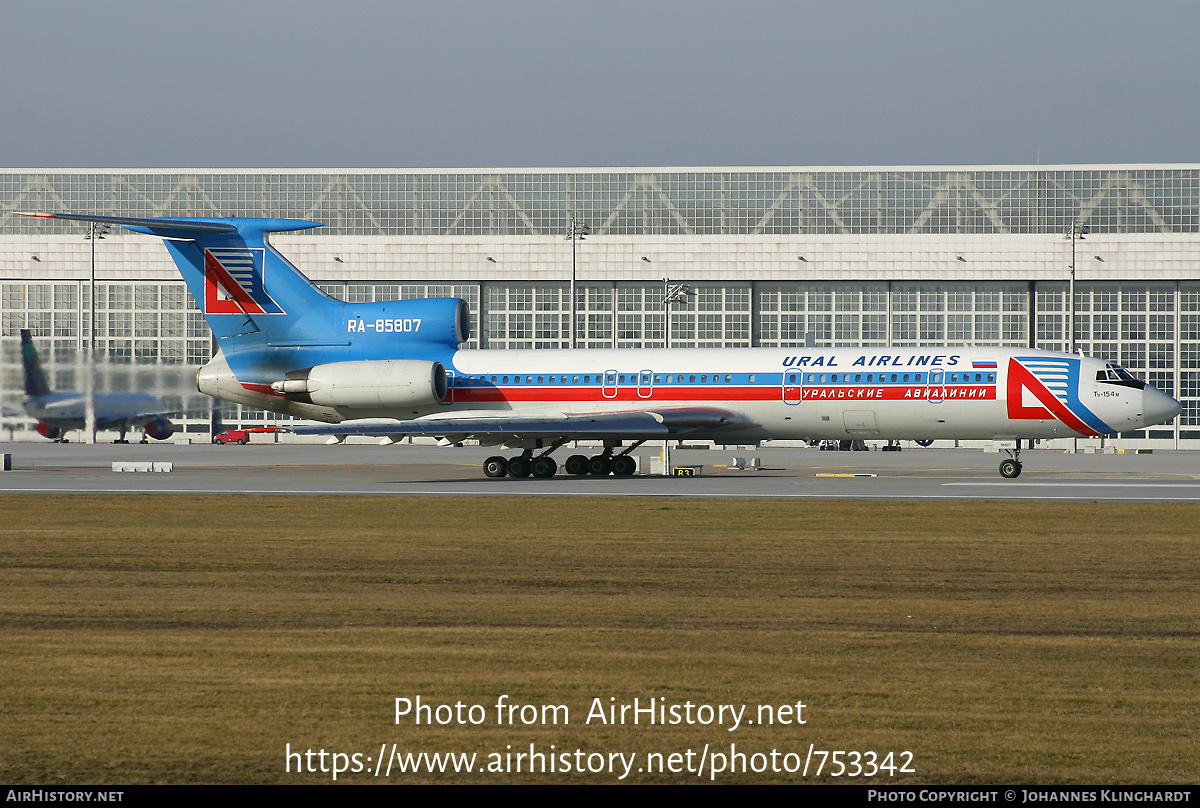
[{"x": 1113, "y": 373}]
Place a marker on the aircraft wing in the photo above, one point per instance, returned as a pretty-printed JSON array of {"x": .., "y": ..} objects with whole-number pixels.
[{"x": 640, "y": 425}]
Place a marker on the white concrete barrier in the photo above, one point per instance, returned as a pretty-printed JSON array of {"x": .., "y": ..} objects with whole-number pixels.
[{"x": 141, "y": 466}]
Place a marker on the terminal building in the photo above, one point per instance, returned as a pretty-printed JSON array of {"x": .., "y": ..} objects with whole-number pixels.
[{"x": 872, "y": 256}]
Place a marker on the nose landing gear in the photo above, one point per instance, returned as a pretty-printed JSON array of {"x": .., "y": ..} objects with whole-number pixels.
[{"x": 1011, "y": 468}]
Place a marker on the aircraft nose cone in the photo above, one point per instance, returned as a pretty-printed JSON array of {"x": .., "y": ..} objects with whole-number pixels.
[{"x": 1158, "y": 407}]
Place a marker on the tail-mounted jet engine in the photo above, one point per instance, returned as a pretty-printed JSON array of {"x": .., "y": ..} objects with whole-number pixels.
[{"x": 375, "y": 385}]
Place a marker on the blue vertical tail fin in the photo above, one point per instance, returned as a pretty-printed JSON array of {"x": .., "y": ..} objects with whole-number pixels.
[
  {"x": 269, "y": 319},
  {"x": 241, "y": 284}
]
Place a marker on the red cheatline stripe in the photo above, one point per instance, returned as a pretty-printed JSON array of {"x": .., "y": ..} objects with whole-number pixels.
[{"x": 722, "y": 394}]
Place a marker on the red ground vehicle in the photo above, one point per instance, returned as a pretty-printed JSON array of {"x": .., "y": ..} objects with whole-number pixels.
[{"x": 242, "y": 436}]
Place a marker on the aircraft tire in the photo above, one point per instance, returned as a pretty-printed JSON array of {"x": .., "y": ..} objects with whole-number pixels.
[
  {"x": 1010, "y": 469},
  {"x": 495, "y": 466},
  {"x": 544, "y": 467},
  {"x": 600, "y": 466},
  {"x": 577, "y": 466},
  {"x": 624, "y": 466},
  {"x": 519, "y": 467},
  {"x": 924, "y": 444}
]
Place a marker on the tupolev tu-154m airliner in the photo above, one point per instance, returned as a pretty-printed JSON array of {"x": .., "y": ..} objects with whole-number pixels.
[{"x": 287, "y": 347}]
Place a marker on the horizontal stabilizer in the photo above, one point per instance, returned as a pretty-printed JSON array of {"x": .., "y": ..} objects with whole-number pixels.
[{"x": 192, "y": 225}]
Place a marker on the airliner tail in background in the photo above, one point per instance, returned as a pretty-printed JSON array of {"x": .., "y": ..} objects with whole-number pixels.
[{"x": 60, "y": 413}]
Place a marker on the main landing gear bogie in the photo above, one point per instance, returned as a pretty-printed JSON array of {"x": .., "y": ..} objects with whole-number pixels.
[{"x": 545, "y": 467}]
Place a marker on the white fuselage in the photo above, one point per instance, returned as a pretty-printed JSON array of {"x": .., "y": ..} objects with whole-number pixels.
[
  {"x": 779, "y": 393},
  {"x": 814, "y": 392}
]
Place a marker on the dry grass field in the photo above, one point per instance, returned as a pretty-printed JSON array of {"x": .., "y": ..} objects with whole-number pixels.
[{"x": 192, "y": 638}]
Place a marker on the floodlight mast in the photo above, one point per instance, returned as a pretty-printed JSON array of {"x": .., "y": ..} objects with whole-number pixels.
[
  {"x": 96, "y": 231},
  {"x": 1077, "y": 231},
  {"x": 576, "y": 232},
  {"x": 671, "y": 294}
]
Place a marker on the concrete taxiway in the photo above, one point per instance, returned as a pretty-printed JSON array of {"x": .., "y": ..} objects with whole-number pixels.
[{"x": 914, "y": 473}]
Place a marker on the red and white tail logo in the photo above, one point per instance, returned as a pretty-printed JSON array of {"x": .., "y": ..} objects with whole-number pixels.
[{"x": 233, "y": 282}]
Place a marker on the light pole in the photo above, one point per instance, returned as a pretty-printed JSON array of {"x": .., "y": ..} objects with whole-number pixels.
[
  {"x": 1076, "y": 232},
  {"x": 96, "y": 232},
  {"x": 576, "y": 231},
  {"x": 670, "y": 294}
]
